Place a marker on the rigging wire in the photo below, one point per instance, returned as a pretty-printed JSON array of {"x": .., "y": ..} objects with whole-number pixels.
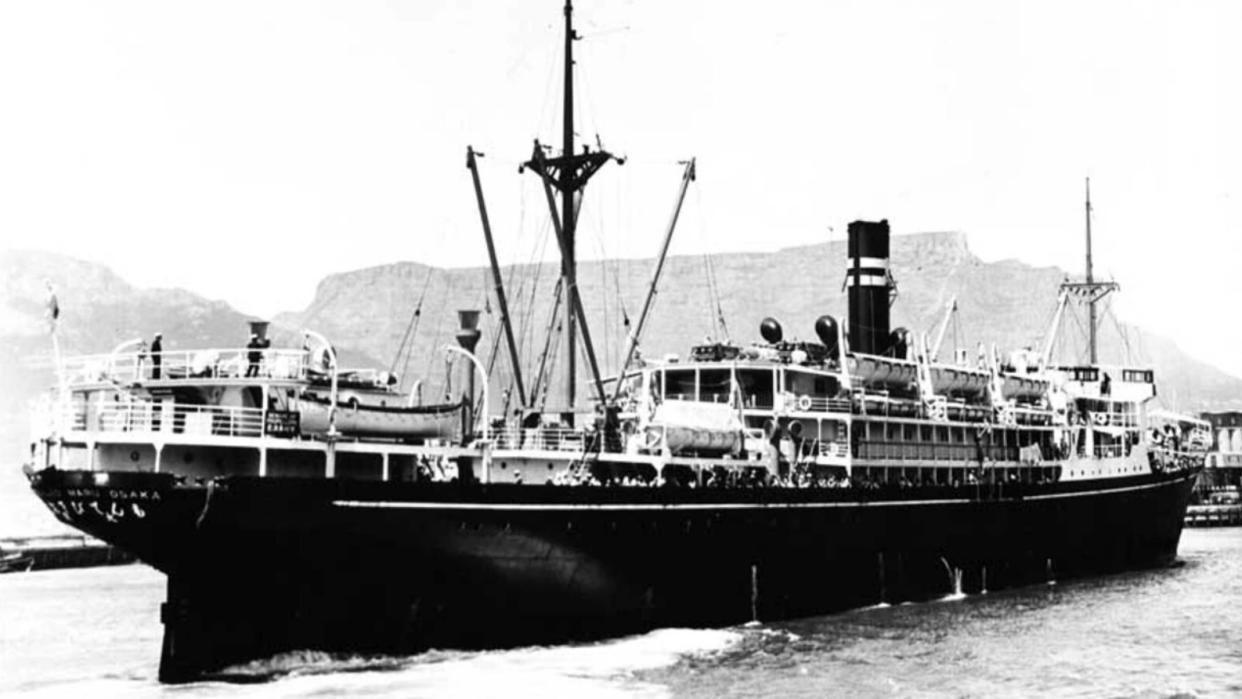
[
  {"x": 1047, "y": 323},
  {"x": 1082, "y": 330},
  {"x": 406, "y": 346},
  {"x": 1122, "y": 333},
  {"x": 718, "y": 324},
  {"x": 528, "y": 324},
  {"x": 439, "y": 329},
  {"x": 585, "y": 116},
  {"x": 625, "y": 315},
  {"x": 551, "y": 352},
  {"x": 532, "y": 277},
  {"x": 510, "y": 383},
  {"x": 547, "y": 115},
  {"x": 609, "y": 334}
]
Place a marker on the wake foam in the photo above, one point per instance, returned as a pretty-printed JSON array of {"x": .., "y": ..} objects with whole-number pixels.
[{"x": 606, "y": 668}]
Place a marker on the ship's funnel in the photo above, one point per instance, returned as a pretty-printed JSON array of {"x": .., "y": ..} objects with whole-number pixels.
[
  {"x": 468, "y": 335},
  {"x": 258, "y": 328},
  {"x": 869, "y": 282}
]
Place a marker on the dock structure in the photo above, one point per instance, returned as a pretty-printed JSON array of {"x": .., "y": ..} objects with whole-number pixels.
[
  {"x": 1214, "y": 516},
  {"x": 1224, "y": 462},
  {"x": 23, "y": 554}
]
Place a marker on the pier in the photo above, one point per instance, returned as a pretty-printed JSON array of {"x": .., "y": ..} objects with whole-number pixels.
[
  {"x": 48, "y": 552},
  {"x": 1214, "y": 515}
]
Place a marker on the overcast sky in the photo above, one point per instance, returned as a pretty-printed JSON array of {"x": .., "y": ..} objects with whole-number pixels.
[{"x": 243, "y": 150}]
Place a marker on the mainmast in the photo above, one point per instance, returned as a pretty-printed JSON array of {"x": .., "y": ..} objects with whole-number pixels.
[
  {"x": 1090, "y": 290},
  {"x": 1091, "y": 314},
  {"x": 569, "y": 173}
]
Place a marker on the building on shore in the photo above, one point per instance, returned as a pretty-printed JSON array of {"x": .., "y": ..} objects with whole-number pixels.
[{"x": 1224, "y": 463}]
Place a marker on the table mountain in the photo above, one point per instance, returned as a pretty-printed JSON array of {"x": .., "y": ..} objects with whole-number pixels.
[{"x": 1008, "y": 303}]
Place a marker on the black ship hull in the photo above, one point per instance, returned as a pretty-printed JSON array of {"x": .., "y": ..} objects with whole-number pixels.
[{"x": 260, "y": 566}]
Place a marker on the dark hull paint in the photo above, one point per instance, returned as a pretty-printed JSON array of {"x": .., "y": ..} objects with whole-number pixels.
[{"x": 260, "y": 566}]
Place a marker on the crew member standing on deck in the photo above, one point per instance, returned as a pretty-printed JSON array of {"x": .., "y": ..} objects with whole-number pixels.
[
  {"x": 254, "y": 354},
  {"x": 157, "y": 347}
]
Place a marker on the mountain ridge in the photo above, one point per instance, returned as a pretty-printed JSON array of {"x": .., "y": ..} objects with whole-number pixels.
[
  {"x": 368, "y": 312},
  {"x": 795, "y": 284}
]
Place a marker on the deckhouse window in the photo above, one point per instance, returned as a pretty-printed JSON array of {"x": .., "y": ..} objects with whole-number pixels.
[
  {"x": 679, "y": 384},
  {"x": 757, "y": 388},
  {"x": 714, "y": 385},
  {"x": 803, "y": 384}
]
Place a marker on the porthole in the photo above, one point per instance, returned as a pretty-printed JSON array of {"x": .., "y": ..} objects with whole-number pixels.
[
  {"x": 133, "y": 455},
  {"x": 550, "y": 467},
  {"x": 504, "y": 465}
]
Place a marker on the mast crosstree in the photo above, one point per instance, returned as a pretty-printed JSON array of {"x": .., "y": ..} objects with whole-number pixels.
[
  {"x": 569, "y": 173},
  {"x": 1090, "y": 291}
]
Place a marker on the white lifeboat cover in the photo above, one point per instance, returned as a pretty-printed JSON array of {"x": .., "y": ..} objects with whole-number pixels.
[{"x": 714, "y": 417}]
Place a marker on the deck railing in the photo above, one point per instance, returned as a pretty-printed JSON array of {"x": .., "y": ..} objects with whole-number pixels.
[
  {"x": 790, "y": 402},
  {"x": 816, "y": 404},
  {"x": 149, "y": 417},
  {"x": 194, "y": 365},
  {"x": 539, "y": 438},
  {"x": 206, "y": 364},
  {"x": 834, "y": 450},
  {"x": 1101, "y": 419}
]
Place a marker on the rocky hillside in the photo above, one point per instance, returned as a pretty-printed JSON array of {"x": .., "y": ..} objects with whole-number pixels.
[
  {"x": 1007, "y": 302},
  {"x": 368, "y": 312},
  {"x": 98, "y": 310}
]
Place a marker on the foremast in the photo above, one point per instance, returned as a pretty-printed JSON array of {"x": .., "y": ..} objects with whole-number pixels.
[{"x": 1089, "y": 291}]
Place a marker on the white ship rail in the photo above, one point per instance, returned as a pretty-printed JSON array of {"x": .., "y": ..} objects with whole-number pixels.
[
  {"x": 151, "y": 418},
  {"x": 539, "y": 438},
  {"x": 1123, "y": 420},
  {"x": 1032, "y": 414},
  {"x": 833, "y": 450},
  {"x": 789, "y": 402},
  {"x": 819, "y": 404},
  {"x": 199, "y": 365},
  {"x": 180, "y": 365}
]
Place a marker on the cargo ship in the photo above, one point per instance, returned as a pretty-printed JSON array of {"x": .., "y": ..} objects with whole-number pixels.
[{"x": 296, "y": 504}]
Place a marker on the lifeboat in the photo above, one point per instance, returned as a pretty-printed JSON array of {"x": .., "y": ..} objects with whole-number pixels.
[
  {"x": 877, "y": 371},
  {"x": 1015, "y": 386},
  {"x": 442, "y": 421},
  {"x": 959, "y": 381},
  {"x": 684, "y": 425}
]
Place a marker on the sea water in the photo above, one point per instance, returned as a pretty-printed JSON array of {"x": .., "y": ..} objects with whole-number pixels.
[{"x": 1175, "y": 631}]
